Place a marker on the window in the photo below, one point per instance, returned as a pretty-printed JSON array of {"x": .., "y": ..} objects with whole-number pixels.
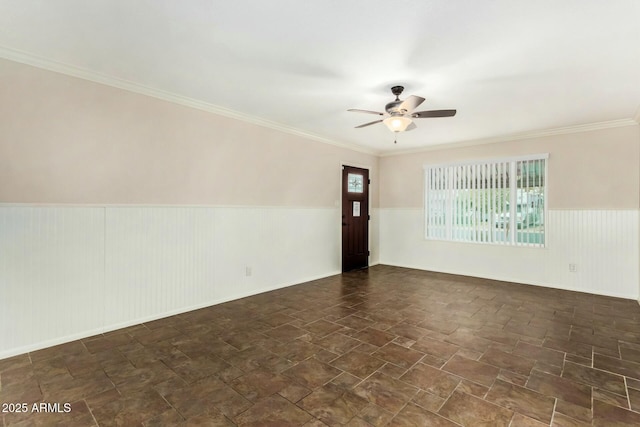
[
  {"x": 500, "y": 201},
  {"x": 355, "y": 183}
]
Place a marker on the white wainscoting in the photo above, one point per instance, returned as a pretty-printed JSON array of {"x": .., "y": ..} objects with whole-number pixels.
[
  {"x": 71, "y": 272},
  {"x": 374, "y": 236},
  {"x": 51, "y": 267},
  {"x": 603, "y": 244}
]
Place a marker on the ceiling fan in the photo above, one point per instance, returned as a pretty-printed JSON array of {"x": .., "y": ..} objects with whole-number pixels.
[{"x": 399, "y": 114}]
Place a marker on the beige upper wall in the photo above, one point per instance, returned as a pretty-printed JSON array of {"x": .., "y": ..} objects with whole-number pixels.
[
  {"x": 68, "y": 140},
  {"x": 597, "y": 169}
]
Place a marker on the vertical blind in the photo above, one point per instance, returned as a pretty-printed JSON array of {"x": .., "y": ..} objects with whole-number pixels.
[{"x": 500, "y": 201}]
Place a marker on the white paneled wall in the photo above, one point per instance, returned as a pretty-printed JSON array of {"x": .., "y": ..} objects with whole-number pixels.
[
  {"x": 51, "y": 265},
  {"x": 374, "y": 236},
  {"x": 70, "y": 272},
  {"x": 158, "y": 260},
  {"x": 603, "y": 245}
]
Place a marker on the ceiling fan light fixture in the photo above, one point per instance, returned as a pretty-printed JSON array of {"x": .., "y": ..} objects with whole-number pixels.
[{"x": 397, "y": 123}]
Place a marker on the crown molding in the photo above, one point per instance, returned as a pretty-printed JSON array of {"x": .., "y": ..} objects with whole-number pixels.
[
  {"x": 520, "y": 136},
  {"x": 82, "y": 73}
]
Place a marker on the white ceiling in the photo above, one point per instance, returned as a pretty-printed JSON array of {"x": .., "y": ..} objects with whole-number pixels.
[{"x": 507, "y": 66}]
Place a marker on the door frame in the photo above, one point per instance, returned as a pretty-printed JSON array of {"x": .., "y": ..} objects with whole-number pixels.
[{"x": 338, "y": 204}]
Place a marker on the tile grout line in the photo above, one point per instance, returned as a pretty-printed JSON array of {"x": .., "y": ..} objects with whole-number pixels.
[
  {"x": 626, "y": 388},
  {"x": 553, "y": 413},
  {"x": 91, "y": 412},
  {"x": 173, "y": 407}
]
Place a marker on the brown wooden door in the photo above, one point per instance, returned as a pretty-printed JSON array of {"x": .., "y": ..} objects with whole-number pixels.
[{"x": 355, "y": 218}]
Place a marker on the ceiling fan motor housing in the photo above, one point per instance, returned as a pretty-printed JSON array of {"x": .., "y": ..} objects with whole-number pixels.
[{"x": 392, "y": 107}]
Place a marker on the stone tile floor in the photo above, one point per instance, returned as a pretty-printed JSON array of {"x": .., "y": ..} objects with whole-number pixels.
[{"x": 383, "y": 346}]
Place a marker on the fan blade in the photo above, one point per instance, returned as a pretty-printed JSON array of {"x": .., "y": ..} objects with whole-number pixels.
[
  {"x": 434, "y": 113},
  {"x": 412, "y": 126},
  {"x": 355, "y": 110},
  {"x": 411, "y": 103},
  {"x": 368, "y": 124}
]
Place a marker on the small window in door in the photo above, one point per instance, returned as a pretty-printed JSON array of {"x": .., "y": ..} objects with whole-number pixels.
[{"x": 355, "y": 183}]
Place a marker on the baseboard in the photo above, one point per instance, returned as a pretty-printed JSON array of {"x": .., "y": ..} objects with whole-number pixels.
[
  {"x": 86, "y": 334},
  {"x": 512, "y": 280}
]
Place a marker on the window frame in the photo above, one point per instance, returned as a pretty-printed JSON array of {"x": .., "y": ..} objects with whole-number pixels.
[{"x": 483, "y": 162}]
